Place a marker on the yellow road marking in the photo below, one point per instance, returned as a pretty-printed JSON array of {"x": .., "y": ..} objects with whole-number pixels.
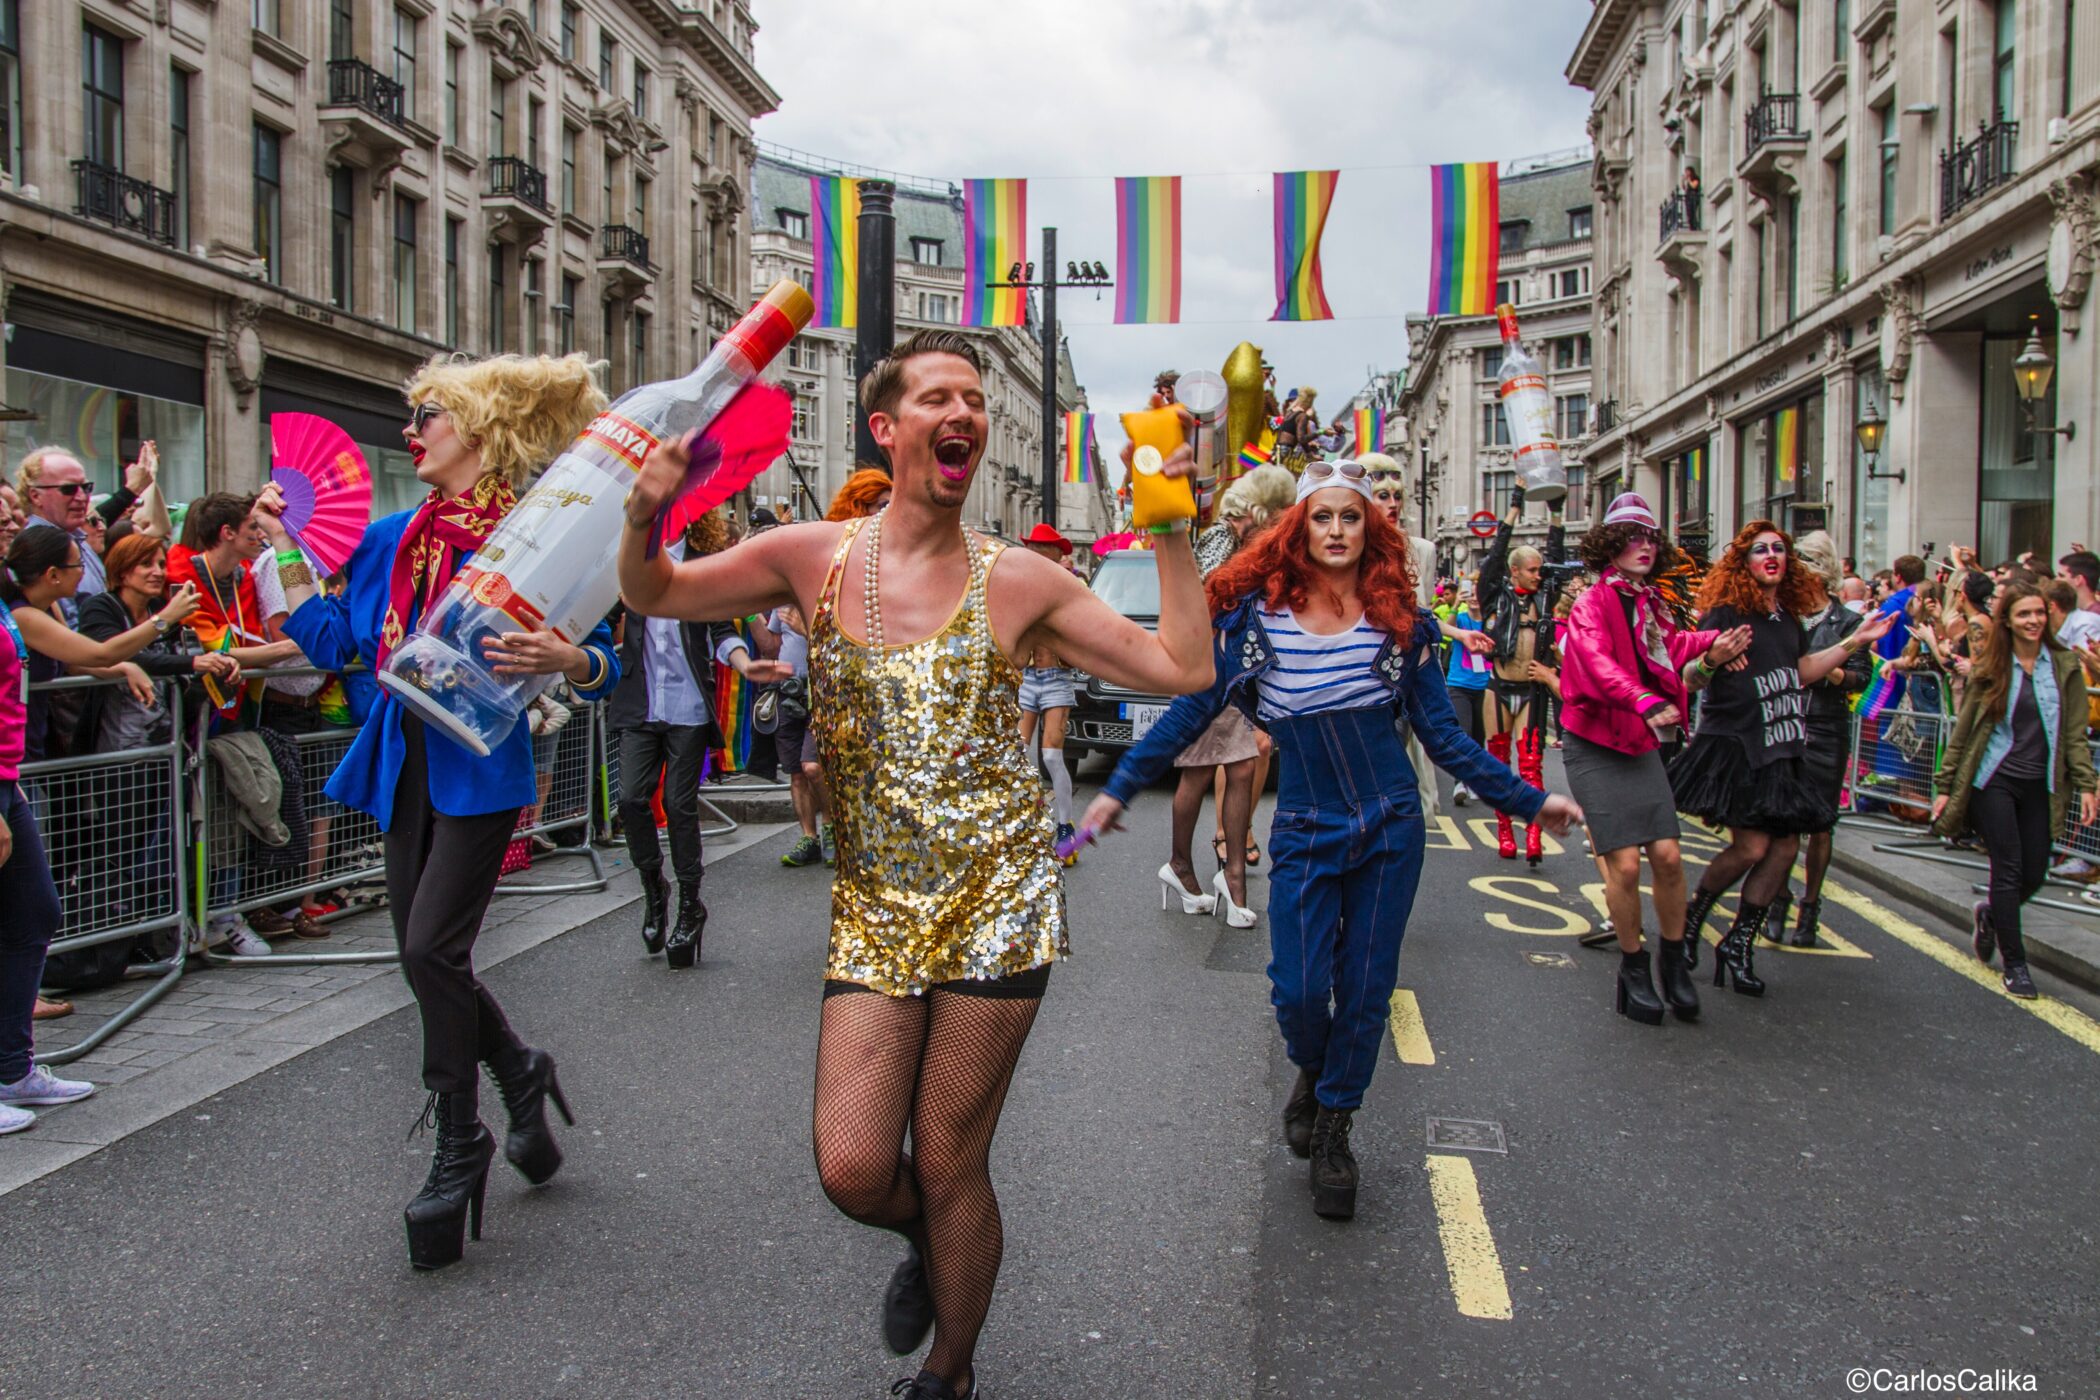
[
  {"x": 2064, "y": 1017},
  {"x": 1567, "y": 922},
  {"x": 1443, "y": 835},
  {"x": 1484, "y": 831},
  {"x": 1410, "y": 1036},
  {"x": 1477, "y": 1281}
]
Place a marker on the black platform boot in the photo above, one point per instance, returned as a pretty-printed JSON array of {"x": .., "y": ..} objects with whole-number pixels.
[
  {"x": 1695, "y": 912},
  {"x": 1298, "y": 1113},
  {"x": 526, "y": 1079},
  {"x": 1636, "y": 999},
  {"x": 1333, "y": 1165},
  {"x": 1810, "y": 918},
  {"x": 1774, "y": 926},
  {"x": 655, "y": 898},
  {"x": 1675, "y": 975},
  {"x": 450, "y": 1202},
  {"x": 684, "y": 948},
  {"x": 1737, "y": 955}
]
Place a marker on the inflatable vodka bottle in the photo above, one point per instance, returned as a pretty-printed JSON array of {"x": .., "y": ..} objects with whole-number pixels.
[
  {"x": 1528, "y": 404},
  {"x": 550, "y": 565}
]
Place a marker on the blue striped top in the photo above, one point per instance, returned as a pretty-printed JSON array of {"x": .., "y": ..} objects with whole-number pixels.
[{"x": 1316, "y": 673}]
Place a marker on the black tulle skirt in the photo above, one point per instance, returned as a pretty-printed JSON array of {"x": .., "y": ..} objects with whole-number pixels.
[{"x": 1713, "y": 781}]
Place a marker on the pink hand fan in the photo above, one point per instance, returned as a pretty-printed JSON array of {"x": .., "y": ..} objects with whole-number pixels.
[
  {"x": 326, "y": 485},
  {"x": 748, "y": 436}
]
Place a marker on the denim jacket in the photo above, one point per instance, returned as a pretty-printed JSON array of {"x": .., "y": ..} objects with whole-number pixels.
[
  {"x": 1244, "y": 654},
  {"x": 2001, "y": 741}
]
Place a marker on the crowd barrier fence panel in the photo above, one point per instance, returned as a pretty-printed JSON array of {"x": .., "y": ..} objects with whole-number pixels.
[
  {"x": 715, "y": 822},
  {"x": 112, "y": 829},
  {"x": 568, "y": 763}
]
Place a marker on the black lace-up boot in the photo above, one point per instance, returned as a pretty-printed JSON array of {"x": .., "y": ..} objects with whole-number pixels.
[
  {"x": 438, "y": 1218},
  {"x": 1333, "y": 1165}
]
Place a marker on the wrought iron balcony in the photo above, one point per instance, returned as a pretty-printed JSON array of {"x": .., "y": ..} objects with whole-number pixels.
[
  {"x": 1605, "y": 415},
  {"x": 132, "y": 206},
  {"x": 1977, "y": 166},
  {"x": 511, "y": 178},
  {"x": 354, "y": 83},
  {"x": 1776, "y": 116},
  {"x": 619, "y": 243},
  {"x": 1680, "y": 212}
]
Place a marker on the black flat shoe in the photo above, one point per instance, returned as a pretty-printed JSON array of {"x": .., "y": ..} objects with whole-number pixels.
[{"x": 907, "y": 1306}]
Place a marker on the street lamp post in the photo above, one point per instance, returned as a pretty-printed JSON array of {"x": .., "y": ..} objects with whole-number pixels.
[
  {"x": 1022, "y": 276},
  {"x": 876, "y": 311}
]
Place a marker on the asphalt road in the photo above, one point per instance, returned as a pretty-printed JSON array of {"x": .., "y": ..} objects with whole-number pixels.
[{"x": 1883, "y": 1163}]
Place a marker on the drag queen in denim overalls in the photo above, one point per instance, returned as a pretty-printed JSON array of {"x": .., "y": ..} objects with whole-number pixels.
[{"x": 1347, "y": 838}]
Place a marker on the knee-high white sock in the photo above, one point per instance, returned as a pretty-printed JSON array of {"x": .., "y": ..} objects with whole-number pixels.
[{"x": 1060, "y": 785}]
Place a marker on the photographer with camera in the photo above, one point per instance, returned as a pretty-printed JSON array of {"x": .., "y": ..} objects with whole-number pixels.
[{"x": 1519, "y": 612}]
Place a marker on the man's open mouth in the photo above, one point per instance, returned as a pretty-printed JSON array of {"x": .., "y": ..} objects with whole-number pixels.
[{"x": 953, "y": 451}]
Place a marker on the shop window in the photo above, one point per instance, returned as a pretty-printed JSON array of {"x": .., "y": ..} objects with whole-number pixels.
[
  {"x": 1868, "y": 543},
  {"x": 105, "y": 427},
  {"x": 2017, "y": 485},
  {"x": 1778, "y": 461}
]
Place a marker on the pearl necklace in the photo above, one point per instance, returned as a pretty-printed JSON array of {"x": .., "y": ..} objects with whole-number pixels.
[{"x": 871, "y": 603}]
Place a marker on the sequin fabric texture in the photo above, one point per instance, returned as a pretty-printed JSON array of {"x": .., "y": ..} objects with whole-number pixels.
[{"x": 945, "y": 867}]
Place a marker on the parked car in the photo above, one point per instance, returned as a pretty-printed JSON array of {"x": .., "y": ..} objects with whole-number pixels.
[{"x": 1107, "y": 718}]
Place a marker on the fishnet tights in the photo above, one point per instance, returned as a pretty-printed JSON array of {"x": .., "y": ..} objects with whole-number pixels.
[{"x": 939, "y": 1064}]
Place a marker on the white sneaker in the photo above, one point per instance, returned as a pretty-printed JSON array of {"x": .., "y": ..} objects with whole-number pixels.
[
  {"x": 2076, "y": 868},
  {"x": 41, "y": 1086},
  {"x": 14, "y": 1120},
  {"x": 1461, "y": 795},
  {"x": 232, "y": 930}
]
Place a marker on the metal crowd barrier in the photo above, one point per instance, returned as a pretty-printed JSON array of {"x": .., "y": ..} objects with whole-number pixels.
[
  {"x": 113, "y": 832},
  {"x": 144, "y": 844},
  {"x": 715, "y": 822}
]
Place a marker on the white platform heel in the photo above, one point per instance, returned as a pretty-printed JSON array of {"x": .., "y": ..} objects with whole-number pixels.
[
  {"x": 1170, "y": 887},
  {"x": 1236, "y": 915}
]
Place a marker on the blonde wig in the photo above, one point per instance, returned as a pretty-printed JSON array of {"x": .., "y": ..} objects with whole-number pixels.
[
  {"x": 1380, "y": 464},
  {"x": 518, "y": 411},
  {"x": 1819, "y": 552}
]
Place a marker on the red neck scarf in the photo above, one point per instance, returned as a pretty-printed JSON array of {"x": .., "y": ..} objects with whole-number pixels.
[{"x": 439, "y": 538}]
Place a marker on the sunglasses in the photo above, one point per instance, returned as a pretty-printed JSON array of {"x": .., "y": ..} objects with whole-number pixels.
[
  {"x": 420, "y": 418},
  {"x": 1346, "y": 468},
  {"x": 68, "y": 489}
]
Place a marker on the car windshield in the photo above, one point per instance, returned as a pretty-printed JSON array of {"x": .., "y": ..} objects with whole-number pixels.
[{"x": 1129, "y": 582}]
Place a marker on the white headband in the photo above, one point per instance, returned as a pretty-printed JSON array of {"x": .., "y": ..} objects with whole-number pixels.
[{"x": 1308, "y": 482}]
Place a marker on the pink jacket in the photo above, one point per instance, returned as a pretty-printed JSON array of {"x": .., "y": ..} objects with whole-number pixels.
[{"x": 1607, "y": 685}]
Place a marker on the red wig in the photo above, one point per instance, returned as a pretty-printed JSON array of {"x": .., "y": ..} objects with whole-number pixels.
[
  {"x": 858, "y": 496},
  {"x": 1277, "y": 564},
  {"x": 1729, "y": 584}
]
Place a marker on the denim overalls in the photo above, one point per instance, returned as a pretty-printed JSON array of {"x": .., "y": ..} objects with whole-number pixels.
[{"x": 1347, "y": 840}]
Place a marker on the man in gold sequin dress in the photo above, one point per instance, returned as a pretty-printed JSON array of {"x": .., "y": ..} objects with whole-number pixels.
[{"x": 948, "y": 909}]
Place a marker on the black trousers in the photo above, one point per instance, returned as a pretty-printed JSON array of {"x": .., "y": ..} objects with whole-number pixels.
[
  {"x": 2012, "y": 817},
  {"x": 440, "y": 874},
  {"x": 674, "y": 752}
]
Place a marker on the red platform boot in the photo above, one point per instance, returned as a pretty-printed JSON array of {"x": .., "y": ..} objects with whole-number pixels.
[
  {"x": 1505, "y": 837},
  {"x": 1531, "y": 767}
]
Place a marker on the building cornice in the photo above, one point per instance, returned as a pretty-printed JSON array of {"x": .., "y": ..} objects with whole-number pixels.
[
  {"x": 1608, "y": 24},
  {"x": 712, "y": 47}
]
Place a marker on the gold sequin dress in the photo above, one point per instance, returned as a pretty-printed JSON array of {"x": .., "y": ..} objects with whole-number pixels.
[{"x": 945, "y": 866}]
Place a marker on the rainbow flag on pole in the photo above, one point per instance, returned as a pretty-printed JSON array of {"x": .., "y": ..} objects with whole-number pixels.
[
  {"x": 1079, "y": 442},
  {"x": 1465, "y": 215},
  {"x": 1148, "y": 249},
  {"x": 834, "y": 236},
  {"x": 1253, "y": 455},
  {"x": 995, "y": 237},
  {"x": 1370, "y": 431},
  {"x": 1302, "y": 200}
]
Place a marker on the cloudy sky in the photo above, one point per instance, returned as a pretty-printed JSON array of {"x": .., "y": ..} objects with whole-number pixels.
[{"x": 1221, "y": 92}]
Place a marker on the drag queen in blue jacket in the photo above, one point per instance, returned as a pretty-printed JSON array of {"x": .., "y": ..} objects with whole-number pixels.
[
  {"x": 476, "y": 430},
  {"x": 1319, "y": 639}
]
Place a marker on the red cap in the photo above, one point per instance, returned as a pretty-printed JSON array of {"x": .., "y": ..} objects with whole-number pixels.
[{"x": 1046, "y": 533}]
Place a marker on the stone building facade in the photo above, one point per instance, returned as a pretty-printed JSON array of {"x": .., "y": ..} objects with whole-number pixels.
[
  {"x": 215, "y": 210},
  {"x": 1455, "y": 431},
  {"x": 1812, "y": 214},
  {"x": 1007, "y": 495}
]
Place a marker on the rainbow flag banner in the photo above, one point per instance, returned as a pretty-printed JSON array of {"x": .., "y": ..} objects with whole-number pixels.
[
  {"x": 834, "y": 236},
  {"x": 1786, "y": 446},
  {"x": 1465, "y": 212},
  {"x": 1370, "y": 431},
  {"x": 1148, "y": 250},
  {"x": 1302, "y": 201},
  {"x": 1079, "y": 442},
  {"x": 1253, "y": 455},
  {"x": 995, "y": 237}
]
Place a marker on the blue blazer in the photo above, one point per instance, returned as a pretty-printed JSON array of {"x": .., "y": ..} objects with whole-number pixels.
[
  {"x": 335, "y": 631},
  {"x": 1413, "y": 678}
]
